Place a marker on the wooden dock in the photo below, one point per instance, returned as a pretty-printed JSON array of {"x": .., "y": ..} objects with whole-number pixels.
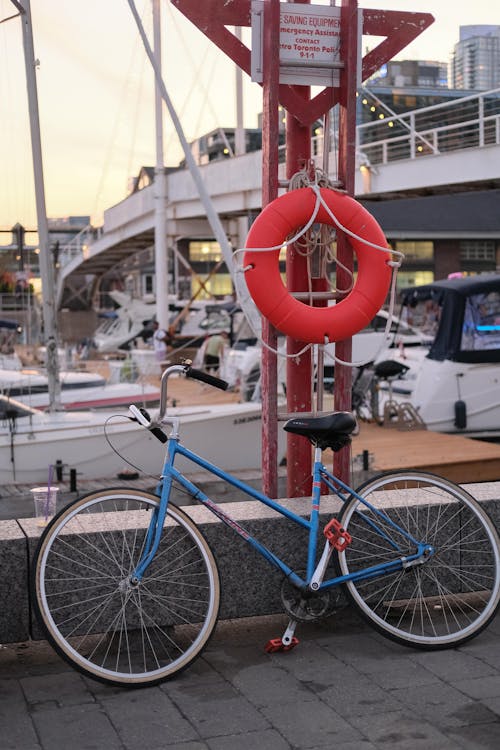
[{"x": 457, "y": 458}]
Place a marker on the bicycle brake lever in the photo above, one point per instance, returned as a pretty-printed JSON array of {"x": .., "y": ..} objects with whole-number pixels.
[{"x": 141, "y": 416}]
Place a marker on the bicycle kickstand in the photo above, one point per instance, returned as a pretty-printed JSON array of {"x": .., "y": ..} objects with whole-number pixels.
[{"x": 286, "y": 642}]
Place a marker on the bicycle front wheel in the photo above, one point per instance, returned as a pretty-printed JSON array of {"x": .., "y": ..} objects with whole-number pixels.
[
  {"x": 96, "y": 617},
  {"x": 442, "y": 601}
]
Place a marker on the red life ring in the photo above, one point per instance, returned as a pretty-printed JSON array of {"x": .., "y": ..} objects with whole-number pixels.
[{"x": 282, "y": 218}]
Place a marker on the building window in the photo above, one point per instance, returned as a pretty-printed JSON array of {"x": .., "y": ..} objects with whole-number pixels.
[
  {"x": 416, "y": 251},
  {"x": 148, "y": 283},
  {"x": 204, "y": 251},
  {"x": 218, "y": 285},
  {"x": 477, "y": 250},
  {"x": 406, "y": 279}
]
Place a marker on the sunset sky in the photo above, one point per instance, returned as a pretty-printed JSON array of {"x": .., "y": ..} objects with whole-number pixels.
[{"x": 96, "y": 95}]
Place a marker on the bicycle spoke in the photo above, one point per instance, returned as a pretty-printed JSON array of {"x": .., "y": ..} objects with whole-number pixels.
[
  {"x": 98, "y": 616},
  {"x": 442, "y": 599}
]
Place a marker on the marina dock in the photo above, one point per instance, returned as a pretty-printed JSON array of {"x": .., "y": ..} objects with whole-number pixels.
[{"x": 455, "y": 457}]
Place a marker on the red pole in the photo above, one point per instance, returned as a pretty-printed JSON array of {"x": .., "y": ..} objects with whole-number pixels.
[
  {"x": 270, "y": 144},
  {"x": 347, "y": 153},
  {"x": 298, "y": 371}
]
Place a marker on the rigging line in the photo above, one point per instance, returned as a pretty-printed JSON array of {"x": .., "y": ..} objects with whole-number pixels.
[
  {"x": 9, "y": 18},
  {"x": 16, "y": 192},
  {"x": 118, "y": 120},
  {"x": 197, "y": 69},
  {"x": 137, "y": 111}
]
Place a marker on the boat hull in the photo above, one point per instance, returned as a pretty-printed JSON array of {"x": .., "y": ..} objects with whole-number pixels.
[
  {"x": 227, "y": 435},
  {"x": 440, "y": 385}
]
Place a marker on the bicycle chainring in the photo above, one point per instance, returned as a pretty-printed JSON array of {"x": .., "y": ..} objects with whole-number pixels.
[{"x": 304, "y": 608}]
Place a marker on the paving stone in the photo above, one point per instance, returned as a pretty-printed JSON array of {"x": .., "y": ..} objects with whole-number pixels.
[
  {"x": 265, "y": 685},
  {"x": 217, "y": 709},
  {"x": 311, "y": 724},
  {"x": 17, "y": 731},
  {"x": 401, "y": 730},
  {"x": 84, "y": 727},
  {"x": 147, "y": 714},
  {"x": 11, "y": 697},
  {"x": 493, "y": 704},
  {"x": 67, "y": 689},
  {"x": 396, "y": 672},
  {"x": 358, "y": 696},
  {"x": 312, "y": 663},
  {"x": 453, "y": 664},
  {"x": 269, "y": 739},
  {"x": 443, "y": 705},
  {"x": 477, "y": 737},
  {"x": 479, "y": 687}
]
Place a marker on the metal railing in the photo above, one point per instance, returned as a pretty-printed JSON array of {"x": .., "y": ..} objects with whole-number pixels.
[
  {"x": 470, "y": 122},
  {"x": 79, "y": 244}
]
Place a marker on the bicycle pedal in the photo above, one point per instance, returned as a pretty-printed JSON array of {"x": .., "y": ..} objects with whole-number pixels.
[
  {"x": 338, "y": 537},
  {"x": 276, "y": 644}
]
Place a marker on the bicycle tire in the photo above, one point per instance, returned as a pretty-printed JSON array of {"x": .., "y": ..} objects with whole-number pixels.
[
  {"x": 104, "y": 627},
  {"x": 452, "y": 596}
]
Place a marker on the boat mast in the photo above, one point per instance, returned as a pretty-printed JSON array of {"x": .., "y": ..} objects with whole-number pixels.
[
  {"x": 239, "y": 136},
  {"x": 49, "y": 312},
  {"x": 213, "y": 218},
  {"x": 160, "y": 188}
]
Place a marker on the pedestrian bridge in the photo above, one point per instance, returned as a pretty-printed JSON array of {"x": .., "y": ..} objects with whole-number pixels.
[{"x": 447, "y": 146}]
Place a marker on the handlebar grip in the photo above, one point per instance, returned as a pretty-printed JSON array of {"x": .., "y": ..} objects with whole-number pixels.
[
  {"x": 158, "y": 433},
  {"x": 142, "y": 416},
  {"x": 206, "y": 378}
]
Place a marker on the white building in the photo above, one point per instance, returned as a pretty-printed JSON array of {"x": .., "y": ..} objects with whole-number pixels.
[{"x": 475, "y": 60}]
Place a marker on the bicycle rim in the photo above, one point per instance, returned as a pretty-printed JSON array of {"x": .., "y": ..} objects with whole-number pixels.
[
  {"x": 449, "y": 598},
  {"x": 106, "y": 628}
]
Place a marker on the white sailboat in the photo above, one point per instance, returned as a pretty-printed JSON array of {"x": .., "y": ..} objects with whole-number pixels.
[{"x": 100, "y": 444}]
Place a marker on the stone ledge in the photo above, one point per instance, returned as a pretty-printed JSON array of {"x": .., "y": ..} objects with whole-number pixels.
[{"x": 249, "y": 585}]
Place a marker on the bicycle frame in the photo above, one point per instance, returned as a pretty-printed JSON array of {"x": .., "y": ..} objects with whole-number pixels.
[{"x": 314, "y": 571}]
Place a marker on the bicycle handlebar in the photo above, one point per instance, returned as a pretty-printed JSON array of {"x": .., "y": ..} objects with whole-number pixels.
[
  {"x": 142, "y": 416},
  {"x": 191, "y": 372}
]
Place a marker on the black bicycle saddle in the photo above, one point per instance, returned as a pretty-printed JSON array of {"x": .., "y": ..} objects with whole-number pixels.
[{"x": 332, "y": 431}]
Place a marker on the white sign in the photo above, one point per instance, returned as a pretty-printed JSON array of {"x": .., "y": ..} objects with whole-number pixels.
[{"x": 309, "y": 40}]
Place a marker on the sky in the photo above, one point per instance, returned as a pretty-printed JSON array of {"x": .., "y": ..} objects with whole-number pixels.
[{"x": 96, "y": 95}]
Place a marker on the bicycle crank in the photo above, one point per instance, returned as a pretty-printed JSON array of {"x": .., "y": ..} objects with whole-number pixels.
[{"x": 304, "y": 607}]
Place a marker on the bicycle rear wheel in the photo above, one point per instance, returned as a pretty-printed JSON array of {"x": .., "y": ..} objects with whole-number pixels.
[
  {"x": 449, "y": 598},
  {"x": 93, "y": 616}
]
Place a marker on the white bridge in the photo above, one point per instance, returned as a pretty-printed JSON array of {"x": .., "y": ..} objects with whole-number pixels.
[{"x": 444, "y": 146}]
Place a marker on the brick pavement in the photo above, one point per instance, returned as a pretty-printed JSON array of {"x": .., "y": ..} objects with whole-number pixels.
[{"x": 344, "y": 686}]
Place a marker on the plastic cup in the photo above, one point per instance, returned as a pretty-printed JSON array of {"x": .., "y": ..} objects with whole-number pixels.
[{"x": 45, "y": 500}]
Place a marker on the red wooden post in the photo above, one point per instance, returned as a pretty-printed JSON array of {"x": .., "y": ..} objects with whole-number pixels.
[
  {"x": 270, "y": 143},
  {"x": 298, "y": 371},
  {"x": 347, "y": 154}
]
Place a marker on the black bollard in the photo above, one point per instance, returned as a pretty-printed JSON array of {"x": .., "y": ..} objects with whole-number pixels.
[{"x": 72, "y": 480}]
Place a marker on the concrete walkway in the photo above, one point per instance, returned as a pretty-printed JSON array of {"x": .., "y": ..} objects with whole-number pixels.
[{"x": 343, "y": 687}]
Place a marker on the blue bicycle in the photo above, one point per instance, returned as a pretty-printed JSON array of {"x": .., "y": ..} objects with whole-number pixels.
[{"x": 127, "y": 589}]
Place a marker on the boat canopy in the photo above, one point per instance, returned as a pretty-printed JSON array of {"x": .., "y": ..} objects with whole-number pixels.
[{"x": 463, "y": 314}]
